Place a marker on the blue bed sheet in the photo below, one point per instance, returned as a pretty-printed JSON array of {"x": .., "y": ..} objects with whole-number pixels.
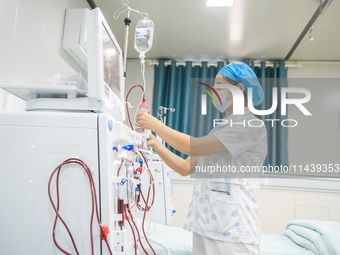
[
  {"x": 300, "y": 238},
  {"x": 168, "y": 240},
  {"x": 281, "y": 245},
  {"x": 320, "y": 237}
]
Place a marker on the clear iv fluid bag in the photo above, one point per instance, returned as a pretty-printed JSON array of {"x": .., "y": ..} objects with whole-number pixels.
[{"x": 144, "y": 35}]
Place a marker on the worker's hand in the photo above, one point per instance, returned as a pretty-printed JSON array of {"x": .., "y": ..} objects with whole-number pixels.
[
  {"x": 145, "y": 120},
  {"x": 152, "y": 140}
]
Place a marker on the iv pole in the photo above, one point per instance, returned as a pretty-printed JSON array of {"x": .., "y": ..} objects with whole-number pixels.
[
  {"x": 127, "y": 22},
  {"x": 163, "y": 114}
]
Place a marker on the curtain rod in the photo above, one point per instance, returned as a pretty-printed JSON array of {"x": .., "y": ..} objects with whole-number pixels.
[
  {"x": 294, "y": 64},
  {"x": 215, "y": 63}
]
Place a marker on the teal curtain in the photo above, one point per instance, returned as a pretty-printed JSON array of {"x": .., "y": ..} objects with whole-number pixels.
[
  {"x": 269, "y": 77},
  {"x": 177, "y": 87}
]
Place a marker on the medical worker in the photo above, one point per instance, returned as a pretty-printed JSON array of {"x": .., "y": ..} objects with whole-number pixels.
[{"x": 224, "y": 214}]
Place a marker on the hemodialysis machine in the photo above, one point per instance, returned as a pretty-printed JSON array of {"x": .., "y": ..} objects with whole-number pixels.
[{"x": 69, "y": 180}]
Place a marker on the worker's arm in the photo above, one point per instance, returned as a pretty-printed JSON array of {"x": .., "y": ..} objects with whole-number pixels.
[
  {"x": 182, "y": 166},
  {"x": 184, "y": 143},
  {"x": 205, "y": 145},
  {"x": 175, "y": 139}
]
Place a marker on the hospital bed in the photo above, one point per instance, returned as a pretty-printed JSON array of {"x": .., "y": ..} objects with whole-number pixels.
[{"x": 301, "y": 237}]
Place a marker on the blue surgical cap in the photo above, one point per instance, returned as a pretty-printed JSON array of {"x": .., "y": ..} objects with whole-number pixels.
[{"x": 241, "y": 72}]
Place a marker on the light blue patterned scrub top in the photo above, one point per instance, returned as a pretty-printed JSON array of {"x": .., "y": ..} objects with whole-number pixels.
[{"x": 226, "y": 208}]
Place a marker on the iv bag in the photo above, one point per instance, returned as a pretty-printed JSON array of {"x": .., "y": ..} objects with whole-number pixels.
[{"x": 144, "y": 35}]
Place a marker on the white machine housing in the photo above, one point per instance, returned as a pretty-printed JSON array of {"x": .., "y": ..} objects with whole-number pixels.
[
  {"x": 33, "y": 145},
  {"x": 104, "y": 62},
  {"x": 65, "y": 122}
]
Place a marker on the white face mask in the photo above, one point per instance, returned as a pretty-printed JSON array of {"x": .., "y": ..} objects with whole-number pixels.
[{"x": 225, "y": 103}]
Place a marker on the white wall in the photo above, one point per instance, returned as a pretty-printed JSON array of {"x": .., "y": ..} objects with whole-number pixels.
[
  {"x": 31, "y": 44},
  {"x": 280, "y": 206},
  {"x": 316, "y": 139},
  {"x": 315, "y": 71}
]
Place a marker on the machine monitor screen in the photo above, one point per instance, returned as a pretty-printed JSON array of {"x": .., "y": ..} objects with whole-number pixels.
[
  {"x": 90, "y": 41},
  {"x": 111, "y": 63},
  {"x": 104, "y": 66}
]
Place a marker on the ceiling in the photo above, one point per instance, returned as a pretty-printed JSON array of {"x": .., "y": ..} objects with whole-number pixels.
[{"x": 251, "y": 29}]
